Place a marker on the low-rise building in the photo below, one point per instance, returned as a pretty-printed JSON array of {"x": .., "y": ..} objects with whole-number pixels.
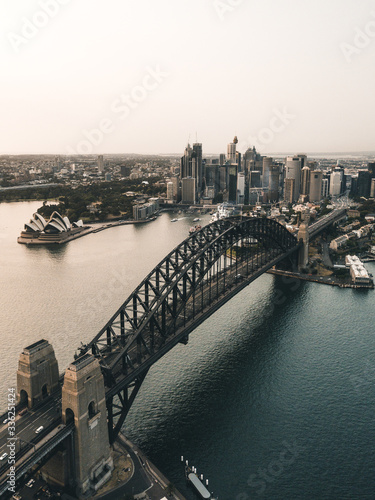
[
  {"x": 352, "y": 213},
  {"x": 146, "y": 210},
  {"x": 358, "y": 271},
  {"x": 339, "y": 242}
]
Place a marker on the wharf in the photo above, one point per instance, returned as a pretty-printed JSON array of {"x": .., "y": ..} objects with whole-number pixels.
[{"x": 324, "y": 280}]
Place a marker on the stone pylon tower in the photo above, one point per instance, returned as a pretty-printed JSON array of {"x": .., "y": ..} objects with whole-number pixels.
[
  {"x": 83, "y": 401},
  {"x": 37, "y": 374},
  {"x": 303, "y": 235}
]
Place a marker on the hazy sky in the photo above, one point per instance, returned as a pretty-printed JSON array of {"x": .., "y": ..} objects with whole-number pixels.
[{"x": 285, "y": 75}]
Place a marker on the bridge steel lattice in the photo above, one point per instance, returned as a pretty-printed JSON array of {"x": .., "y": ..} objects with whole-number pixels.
[{"x": 185, "y": 288}]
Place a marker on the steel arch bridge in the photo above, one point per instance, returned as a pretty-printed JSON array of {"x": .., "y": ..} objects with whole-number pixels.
[{"x": 185, "y": 288}]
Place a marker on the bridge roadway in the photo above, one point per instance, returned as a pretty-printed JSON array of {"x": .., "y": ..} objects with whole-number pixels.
[
  {"x": 208, "y": 299},
  {"x": 325, "y": 221},
  {"x": 46, "y": 414},
  {"x": 31, "y": 448}
]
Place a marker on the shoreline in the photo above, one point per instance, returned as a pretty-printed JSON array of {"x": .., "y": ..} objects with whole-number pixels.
[
  {"x": 84, "y": 232},
  {"x": 144, "y": 479}
]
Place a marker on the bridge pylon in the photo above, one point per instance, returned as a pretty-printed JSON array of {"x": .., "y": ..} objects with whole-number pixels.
[
  {"x": 83, "y": 401},
  {"x": 303, "y": 236},
  {"x": 37, "y": 374}
]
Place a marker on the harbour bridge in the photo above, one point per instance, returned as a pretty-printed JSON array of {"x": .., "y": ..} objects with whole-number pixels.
[
  {"x": 99, "y": 387},
  {"x": 185, "y": 288}
]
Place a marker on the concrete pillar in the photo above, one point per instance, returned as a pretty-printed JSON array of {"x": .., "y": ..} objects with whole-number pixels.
[
  {"x": 37, "y": 374},
  {"x": 83, "y": 401}
]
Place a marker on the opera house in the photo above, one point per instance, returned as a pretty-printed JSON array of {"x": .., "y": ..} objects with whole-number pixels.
[{"x": 57, "y": 229}]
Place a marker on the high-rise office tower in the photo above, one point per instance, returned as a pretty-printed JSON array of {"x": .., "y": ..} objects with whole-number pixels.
[
  {"x": 293, "y": 171},
  {"x": 274, "y": 182},
  {"x": 364, "y": 183},
  {"x": 289, "y": 190},
  {"x": 224, "y": 178},
  {"x": 371, "y": 167},
  {"x": 100, "y": 164},
  {"x": 186, "y": 163},
  {"x": 188, "y": 190},
  {"x": 255, "y": 177},
  {"x": 336, "y": 182},
  {"x": 198, "y": 174},
  {"x": 325, "y": 187},
  {"x": 169, "y": 190},
  {"x": 303, "y": 159},
  {"x": 213, "y": 178},
  {"x": 232, "y": 184},
  {"x": 192, "y": 166},
  {"x": 372, "y": 190},
  {"x": 231, "y": 151},
  {"x": 305, "y": 181},
  {"x": 267, "y": 162},
  {"x": 240, "y": 188},
  {"x": 315, "y": 192}
]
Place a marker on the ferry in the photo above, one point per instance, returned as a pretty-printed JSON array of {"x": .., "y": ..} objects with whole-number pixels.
[{"x": 193, "y": 480}]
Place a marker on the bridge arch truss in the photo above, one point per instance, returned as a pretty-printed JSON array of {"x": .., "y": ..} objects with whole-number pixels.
[{"x": 185, "y": 288}]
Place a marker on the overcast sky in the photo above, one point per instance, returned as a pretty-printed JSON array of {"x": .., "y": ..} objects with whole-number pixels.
[{"x": 142, "y": 76}]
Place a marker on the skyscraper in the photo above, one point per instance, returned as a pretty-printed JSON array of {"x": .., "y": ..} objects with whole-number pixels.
[
  {"x": 293, "y": 171},
  {"x": 364, "y": 183},
  {"x": 325, "y": 187},
  {"x": 267, "y": 162},
  {"x": 231, "y": 151},
  {"x": 372, "y": 190},
  {"x": 188, "y": 190},
  {"x": 186, "y": 163},
  {"x": 273, "y": 188},
  {"x": 305, "y": 181},
  {"x": 335, "y": 183},
  {"x": 192, "y": 166},
  {"x": 100, "y": 164},
  {"x": 240, "y": 189},
  {"x": 169, "y": 190},
  {"x": 315, "y": 192},
  {"x": 198, "y": 168},
  {"x": 289, "y": 190},
  {"x": 371, "y": 167}
]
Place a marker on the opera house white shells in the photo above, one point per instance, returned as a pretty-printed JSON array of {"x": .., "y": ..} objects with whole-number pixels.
[{"x": 57, "y": 229}]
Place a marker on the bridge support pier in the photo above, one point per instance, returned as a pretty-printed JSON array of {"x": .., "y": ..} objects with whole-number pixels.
[
  {"x": 37, "y": 374},
  {"x": 83, "y": 401},
  {"x": 303, "y": 236}
]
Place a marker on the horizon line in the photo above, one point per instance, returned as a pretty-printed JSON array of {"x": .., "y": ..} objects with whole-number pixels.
[{"x": 279, "y": 153}]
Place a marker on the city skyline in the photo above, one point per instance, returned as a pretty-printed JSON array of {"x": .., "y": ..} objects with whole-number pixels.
[{"x": 282, "y": 77}]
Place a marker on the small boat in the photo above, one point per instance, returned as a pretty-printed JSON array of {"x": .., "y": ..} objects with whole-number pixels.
[
  {"x": 197, "y": 219},
  {"x": 174, "y": 220}
]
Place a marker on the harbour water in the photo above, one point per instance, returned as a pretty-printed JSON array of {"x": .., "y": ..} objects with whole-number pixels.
[{"x": 273, "y": 397}]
